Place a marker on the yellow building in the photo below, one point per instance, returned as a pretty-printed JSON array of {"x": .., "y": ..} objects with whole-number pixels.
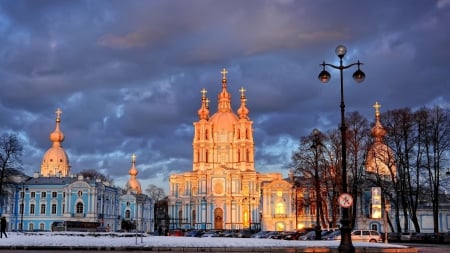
[{"x": 223, "y": 190}]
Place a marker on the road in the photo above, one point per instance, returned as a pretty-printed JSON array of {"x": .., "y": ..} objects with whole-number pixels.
[{"x": 422, "y": 248}]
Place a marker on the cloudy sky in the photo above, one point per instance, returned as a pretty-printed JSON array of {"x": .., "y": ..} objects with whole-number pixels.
[{"x": 128, "y": 74}]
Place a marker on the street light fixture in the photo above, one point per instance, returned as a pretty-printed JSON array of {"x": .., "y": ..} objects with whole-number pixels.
[
  {"x": 359, "y": 76},
  {"x": 315, "y": 146}
]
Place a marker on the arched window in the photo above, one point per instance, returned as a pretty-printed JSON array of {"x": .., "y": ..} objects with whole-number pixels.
[
  {"x": 127, "y": 214},
  {"x": 31, "y": 227},
  {"x": 280, "y": 208},
  {"x": 79, "y": 208},
  {"x": 42, "y": 226}
]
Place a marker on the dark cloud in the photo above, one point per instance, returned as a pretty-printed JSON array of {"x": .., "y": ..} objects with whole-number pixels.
[{"x": 128, "y": 74}]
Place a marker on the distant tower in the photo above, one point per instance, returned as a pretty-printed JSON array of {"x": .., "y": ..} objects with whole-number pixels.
[
  {"x": 380, "y": 158},
  {"x": 56, "y": 161},
  {"x": 133, "y": 184}
]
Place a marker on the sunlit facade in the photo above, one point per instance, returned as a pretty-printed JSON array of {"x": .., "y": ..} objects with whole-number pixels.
[{"x": 223, "y": 190}]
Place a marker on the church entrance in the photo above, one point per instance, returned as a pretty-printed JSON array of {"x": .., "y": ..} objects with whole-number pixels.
[{"x": 218, "y": 218}]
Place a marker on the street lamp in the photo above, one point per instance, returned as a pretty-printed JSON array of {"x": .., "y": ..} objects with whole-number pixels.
[
  {"x": 315, "y": 146},
  {"x": 359, "y": 76}
]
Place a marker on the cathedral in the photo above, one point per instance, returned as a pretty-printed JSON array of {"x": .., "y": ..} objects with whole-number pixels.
[
  {"x": 223, "y": 190},
  {"x": 57, "y": 199}
]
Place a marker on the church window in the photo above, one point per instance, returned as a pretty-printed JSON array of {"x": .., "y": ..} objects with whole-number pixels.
[
  {"x": 374, "y": 227},
  {"x": 279, "y": 193},
  {"x": 79, "y": 208},
  {"x": 128, "y": 203},
  {"x": 280, "y": 208},
  {"x": 206, "y": 134},
  {"x": 206, "y": 156},
  {"x": 80, "y": 193},
  {"x": 41, "y": 226},
  {"x": 127, "y": 214},
  {"x": 60, "y": 160},
  {"x": 53, "y": 208},
  {"x": 33, "y": 195},
  {"x": 31, "y": 209},
  {"x": 31, "y": 226},
  {"x": 43, "y": 194},
  {"x": 42, "y": 208},
  {"x": 54, "y": 194},
  {"x": 63, "y": 208}
]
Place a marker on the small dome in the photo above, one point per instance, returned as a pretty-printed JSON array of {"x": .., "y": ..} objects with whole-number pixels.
[{"x": 55, "y": 162}]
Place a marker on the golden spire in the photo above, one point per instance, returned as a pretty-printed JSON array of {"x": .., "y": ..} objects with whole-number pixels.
[
  {"x": 224, "y": 98},
  {"x": 378, "y": 131},
  {"x": 57, "y": 136},
  {"x": 203, "y": 112},
  {"x": 377, "y": 107},
  {"x": 243, "y": 110}
]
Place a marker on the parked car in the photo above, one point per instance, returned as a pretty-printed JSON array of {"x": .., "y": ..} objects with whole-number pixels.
[
  {"x": 335, "y": 235},
  {"x": 228, "y": 233},
  {"x": 394, "y": 237},
  {"x": 311, "y": 235},
  {"x": 176, "y": 233},
  {"x": 412, "y": 236},
  {"x": 366, "y": 236},
  {"x": 260, "y": 234},
  {"x": 211, "y": 233},
  {"x": 272, "y": 234},
  {"x": 194, "y": 233},
  {"x": 243, "y": 234},
  {"x": 292, "y": 235}
]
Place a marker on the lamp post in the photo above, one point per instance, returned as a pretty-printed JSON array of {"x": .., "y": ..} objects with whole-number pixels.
[
  {"x": 315, "y": 146},
  {"x": 359, "y": 76}
]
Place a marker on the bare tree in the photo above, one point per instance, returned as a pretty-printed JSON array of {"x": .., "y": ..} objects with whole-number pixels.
[
  {"x": 304, "y": 163},
  {"x": 156, "y": 194},
  {"x": 402, "y": 139},
  {"x": 10, "y": 154},
  {"x": 434, "y": 126},
  {"x": 358, "y": 139}
]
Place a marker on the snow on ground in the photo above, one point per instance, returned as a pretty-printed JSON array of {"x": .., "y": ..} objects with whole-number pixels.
[{"x": 114, "y": 240}]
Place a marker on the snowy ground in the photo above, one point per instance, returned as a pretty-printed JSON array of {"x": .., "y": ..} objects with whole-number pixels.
[{"x": 113, "y": 240}]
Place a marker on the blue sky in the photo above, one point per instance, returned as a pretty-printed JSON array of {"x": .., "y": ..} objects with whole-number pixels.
[{"x": 128, "y": 74}]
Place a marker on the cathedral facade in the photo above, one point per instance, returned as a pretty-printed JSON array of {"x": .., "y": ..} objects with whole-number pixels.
[{"x": 223, "y": 190}]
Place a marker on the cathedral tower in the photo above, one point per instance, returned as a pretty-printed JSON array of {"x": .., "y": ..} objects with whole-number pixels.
[
  {"x": 133, "y": 184},
  {"x": 224, "y": 139},
  {"x": 56, "y": 161}
]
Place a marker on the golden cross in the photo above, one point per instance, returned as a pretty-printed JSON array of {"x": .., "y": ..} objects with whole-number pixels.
[
  {"x": 58, "y": 113},
  {"x": 377, "y": 108},
  {"x": 224, "y": 73},
  {"x": 242, "y": 90},
  {"x": 203, "y": 92}
]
